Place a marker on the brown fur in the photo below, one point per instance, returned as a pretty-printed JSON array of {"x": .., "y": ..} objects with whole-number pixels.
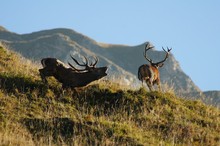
[
  {"x": 68, "y": 76},
  {"x": 150, "y": 75}
]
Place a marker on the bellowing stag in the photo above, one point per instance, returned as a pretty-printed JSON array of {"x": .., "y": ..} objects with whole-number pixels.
[
  {"x": 149, "y": 72},
  {"x": 71, "y": 76}
]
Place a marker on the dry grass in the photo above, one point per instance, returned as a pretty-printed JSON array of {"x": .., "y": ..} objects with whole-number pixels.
[
  {"x": 11, "y": 62},
  {"x": 103, "y": 113}
]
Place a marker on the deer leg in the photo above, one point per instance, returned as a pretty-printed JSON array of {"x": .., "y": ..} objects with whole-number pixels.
[
  {"x": 142, "y": 82},
  {"x": 158, "y": 84},
  {"x": 43, "y": 75},
  {"x": 45, "y": 72},
  {"x": 65, "y": 87},
  {"x": 150, "y": 85},
  {"x": 159, "y": 87}
]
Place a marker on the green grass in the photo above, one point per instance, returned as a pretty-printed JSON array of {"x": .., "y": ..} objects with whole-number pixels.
[{"x": 102, "y": 113}]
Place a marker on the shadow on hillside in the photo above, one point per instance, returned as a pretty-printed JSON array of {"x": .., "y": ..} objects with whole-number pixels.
[
  {"x": 52, "y": 127},
  {"x": 10, "y": 83},
  {"x": 109, "y": 102},
  {"x": 61, "y": 130}
]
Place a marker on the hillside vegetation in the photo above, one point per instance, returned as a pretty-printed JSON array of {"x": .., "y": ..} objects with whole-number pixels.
[{"x": 102, "y": 113}]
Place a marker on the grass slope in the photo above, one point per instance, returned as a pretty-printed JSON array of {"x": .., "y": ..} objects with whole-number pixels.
[{"x": 32, "y": 113}]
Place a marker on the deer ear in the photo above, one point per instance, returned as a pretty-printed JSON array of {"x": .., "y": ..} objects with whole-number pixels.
[{"x": 160, "y": 64}]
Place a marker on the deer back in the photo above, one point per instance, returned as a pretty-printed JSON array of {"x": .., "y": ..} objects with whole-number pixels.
[
  {"x": 148, "y": 72},
  {"x": 70, "y": 78},
  {"x": 52, "y": 63}
]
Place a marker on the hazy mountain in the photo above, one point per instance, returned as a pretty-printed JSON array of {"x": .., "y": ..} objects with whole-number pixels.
[
  {"x": 60, "y": 43},
  {"x": 123, "y": 61},
  {"x": 214, "y": 97}
]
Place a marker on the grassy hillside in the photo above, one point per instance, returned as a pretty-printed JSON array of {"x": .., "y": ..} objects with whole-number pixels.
[{"x": 32, "y": 113}]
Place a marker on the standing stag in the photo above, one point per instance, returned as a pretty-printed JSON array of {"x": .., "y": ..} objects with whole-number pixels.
[
  {"x": 149, "y": 72},
  {"x": 71, "y": 77}
]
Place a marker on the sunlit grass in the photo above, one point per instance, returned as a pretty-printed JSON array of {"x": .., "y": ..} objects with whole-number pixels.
[{"x": 102, "y": 113}]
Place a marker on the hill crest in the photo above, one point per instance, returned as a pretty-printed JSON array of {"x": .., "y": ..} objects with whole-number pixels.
[{"x": 100, "y": 114}]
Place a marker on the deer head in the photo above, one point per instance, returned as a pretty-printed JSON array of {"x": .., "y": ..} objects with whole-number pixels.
[{"x": 157, "y": 64}]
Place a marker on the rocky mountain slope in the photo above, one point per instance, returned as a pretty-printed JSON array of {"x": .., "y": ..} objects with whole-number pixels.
[
  {"x": 123, "y": 61},
  {"x": 213, "y": 97}
]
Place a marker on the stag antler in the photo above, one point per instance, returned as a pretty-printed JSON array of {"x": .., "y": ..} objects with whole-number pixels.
[
  {"x": 85, "y": 64},
  {"x": 96, "y": 61},
  {"x": 167, "y": 55},
  {"x": 148, "y": 47}
]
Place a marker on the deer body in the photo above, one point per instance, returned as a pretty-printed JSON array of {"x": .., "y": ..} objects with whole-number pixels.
[
  {"x": 150, "y": 72},
  {"x": 70, "y": 77},
  {"x": 150, "y": 75}
]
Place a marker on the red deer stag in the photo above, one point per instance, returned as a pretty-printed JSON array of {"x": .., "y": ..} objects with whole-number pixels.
[
  {"x": 71, "y": 77},
  {"x": 149, "y": 72}
]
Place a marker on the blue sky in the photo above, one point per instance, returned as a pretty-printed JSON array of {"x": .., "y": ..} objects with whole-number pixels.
[{"x": 191, "y": 28}]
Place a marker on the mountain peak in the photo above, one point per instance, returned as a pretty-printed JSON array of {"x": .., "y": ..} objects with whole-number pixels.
[{"x": 2, "y": 28}]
